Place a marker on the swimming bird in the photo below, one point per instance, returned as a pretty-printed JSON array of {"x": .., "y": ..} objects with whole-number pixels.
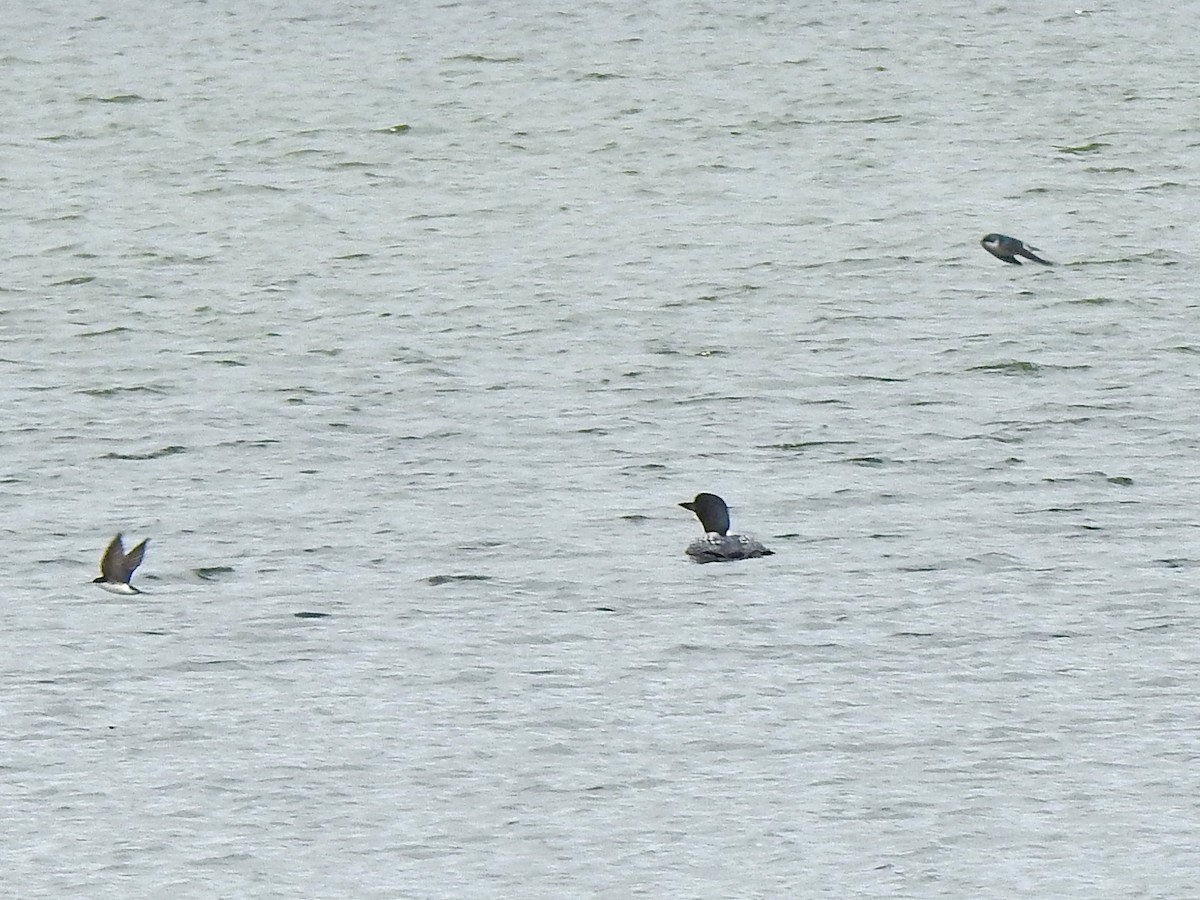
[
  {"x": 718, "y": 545},
  {"x": 1008, "y": 249},
  {"x": 116, "y": 567}
]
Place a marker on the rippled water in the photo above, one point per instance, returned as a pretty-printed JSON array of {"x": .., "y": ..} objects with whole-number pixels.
[{"x": 401, "y": 333}]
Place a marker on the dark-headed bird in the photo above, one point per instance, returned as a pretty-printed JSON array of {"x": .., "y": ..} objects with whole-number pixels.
[{"x": 718, "y": 545}]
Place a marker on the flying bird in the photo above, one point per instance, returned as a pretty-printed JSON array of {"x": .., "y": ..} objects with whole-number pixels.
[
  {"x": 1008, "y": 249},
  {"x": 117, "y": 566}
]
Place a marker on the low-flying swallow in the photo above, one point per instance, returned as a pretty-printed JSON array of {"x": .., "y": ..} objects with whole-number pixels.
[
  {"x": 1008, "y": 249},
  {"x": 116, "y": 567}
]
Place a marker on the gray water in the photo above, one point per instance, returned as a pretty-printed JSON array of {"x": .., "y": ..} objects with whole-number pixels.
[{"x": 419, "y": 322}]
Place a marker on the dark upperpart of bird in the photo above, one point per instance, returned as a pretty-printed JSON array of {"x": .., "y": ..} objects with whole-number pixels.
[{"x": 717, "y": 544}]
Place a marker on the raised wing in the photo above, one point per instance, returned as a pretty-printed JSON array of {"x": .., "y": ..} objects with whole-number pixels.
[
  {"x": 133, "y": 559},
  {"x": 113, "y": 559}
]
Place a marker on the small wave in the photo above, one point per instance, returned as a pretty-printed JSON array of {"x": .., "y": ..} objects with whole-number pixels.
[
  {"x": 212, "y": 573},
  {"x": 444, "y": 579},
  {"x": 153, "y": 454}
]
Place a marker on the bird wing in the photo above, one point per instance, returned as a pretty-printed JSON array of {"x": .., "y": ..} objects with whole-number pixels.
[
  {"x": 133, "y": 559},
  {"x": 1024, "y": 251},
  {"x": 113, "y": 558}
]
